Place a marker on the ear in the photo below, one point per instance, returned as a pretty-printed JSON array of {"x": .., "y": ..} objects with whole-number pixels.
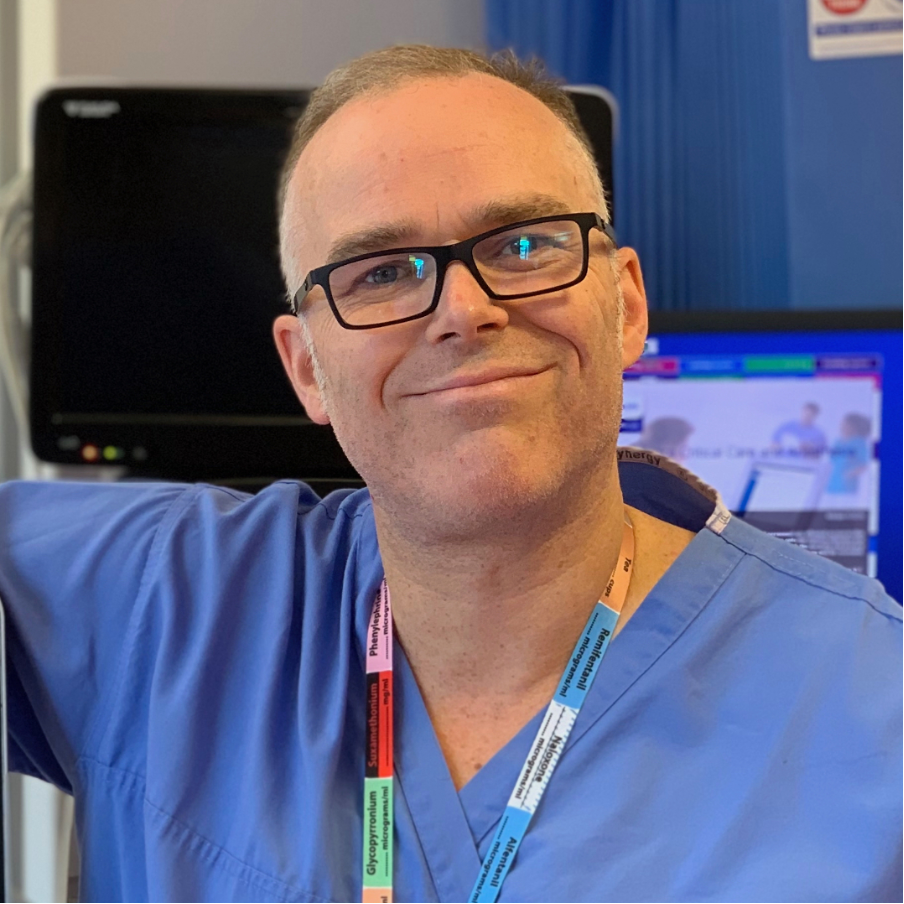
[
  {"x": 635, "y": 325},
  {"x": 287, "y": 333}
]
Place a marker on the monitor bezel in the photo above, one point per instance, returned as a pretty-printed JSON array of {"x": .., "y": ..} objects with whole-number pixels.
[
  {"x": 831, "y": 322},
  {"x": 776, "y": 320}
]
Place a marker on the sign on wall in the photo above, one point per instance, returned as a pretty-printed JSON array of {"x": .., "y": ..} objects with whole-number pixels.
[{"x": 854, "y": 28}]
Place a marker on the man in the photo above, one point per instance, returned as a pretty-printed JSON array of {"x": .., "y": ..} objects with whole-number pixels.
[
  {"x": 801, "y": 437},
  {"x": 198, "y": 666}
]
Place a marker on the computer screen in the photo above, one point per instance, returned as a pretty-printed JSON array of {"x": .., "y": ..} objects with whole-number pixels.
[{"x": 795, "y": 418}]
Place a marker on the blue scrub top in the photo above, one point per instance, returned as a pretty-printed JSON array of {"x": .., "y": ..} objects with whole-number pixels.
[{"x": 188, "y": 662}]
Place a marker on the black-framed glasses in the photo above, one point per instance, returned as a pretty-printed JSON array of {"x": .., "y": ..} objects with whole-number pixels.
[{"x": 520, "y": 260}]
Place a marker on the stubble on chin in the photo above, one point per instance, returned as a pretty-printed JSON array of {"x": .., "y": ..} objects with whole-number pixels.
[{"x": 488, "y": 487}]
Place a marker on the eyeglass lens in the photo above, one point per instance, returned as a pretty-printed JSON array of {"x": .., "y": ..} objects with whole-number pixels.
[{"x": 536, "y": 258}]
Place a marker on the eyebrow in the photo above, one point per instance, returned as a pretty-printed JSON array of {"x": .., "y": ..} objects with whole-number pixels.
[
  {"x": 386, "y": 236},
  {"x": 374, "y": 238},
  {"x": 515, "y": 209}
]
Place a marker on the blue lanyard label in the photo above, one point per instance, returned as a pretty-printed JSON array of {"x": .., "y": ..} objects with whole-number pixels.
[
  {"x": 545, "y": 751},
  {"x": 587, "y": 654}
]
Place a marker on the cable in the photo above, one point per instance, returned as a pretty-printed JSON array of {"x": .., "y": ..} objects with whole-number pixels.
[{"x": 15, "y": 252}]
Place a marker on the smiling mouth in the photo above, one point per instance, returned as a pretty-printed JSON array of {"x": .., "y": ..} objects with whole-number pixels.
[{"x": 466, "y": 383}]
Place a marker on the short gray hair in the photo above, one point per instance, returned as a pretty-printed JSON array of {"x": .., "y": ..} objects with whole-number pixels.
[{"x": 383, "y": 70}]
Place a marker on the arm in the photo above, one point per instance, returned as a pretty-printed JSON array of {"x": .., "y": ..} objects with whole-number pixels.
[{"x": 72, "y": 562}]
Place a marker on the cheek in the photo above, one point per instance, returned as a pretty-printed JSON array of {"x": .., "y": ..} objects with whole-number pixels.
[
  {"x": 589, "y": 322},
  {"x": 354, "y": 384},
  {"x": 604, "y": 319},
  {"x": 356, "y": 366}
]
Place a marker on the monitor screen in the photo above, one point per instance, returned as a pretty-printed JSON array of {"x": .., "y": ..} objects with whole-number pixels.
[
  {"x": 788, "y": 416},
  {"x": 156, "y": 281}
]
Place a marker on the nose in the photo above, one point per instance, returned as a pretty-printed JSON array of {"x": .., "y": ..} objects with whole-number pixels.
[{"x": 464, "y": 310}]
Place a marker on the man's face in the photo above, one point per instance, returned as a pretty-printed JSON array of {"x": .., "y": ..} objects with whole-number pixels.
[{"x": 431, "y": 163}]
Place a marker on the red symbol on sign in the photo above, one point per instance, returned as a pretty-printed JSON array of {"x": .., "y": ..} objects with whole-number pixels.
[{"x": 843, "y": 7}]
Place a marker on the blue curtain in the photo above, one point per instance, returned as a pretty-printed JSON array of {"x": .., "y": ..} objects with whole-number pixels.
[{"x": 710, "y": 167}]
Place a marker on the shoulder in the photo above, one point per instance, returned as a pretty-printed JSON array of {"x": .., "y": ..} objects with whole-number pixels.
[
  {"x": 291, "y": 498},
  {"x": 193, "y": 542},
  {"x": 285, "y": 530},
  {"x": 813, "y": 621},
  {"x": 191, "y": 511},
  {"x": 803, "y": 578},
  {"x": 797, "y": 642}
]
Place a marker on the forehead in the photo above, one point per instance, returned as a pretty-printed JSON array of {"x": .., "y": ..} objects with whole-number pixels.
[{"x": 431, "y": 154}]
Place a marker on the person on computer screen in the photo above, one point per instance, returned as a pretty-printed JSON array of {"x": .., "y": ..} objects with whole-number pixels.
[
  {"x": 668, "y": 435},
  {"x": 523, "y": 664},
  {"x": 850, "y": 457},
  {"x": 801, "y": 436}
]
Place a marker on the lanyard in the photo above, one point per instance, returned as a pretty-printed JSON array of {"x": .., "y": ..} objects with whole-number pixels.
[
  {"x": 378, "y": 822},
  {"x": 538, "y": 768}
]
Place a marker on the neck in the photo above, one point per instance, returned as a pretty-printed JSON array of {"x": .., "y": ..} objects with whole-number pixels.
[{"x": 499, "y": 613}]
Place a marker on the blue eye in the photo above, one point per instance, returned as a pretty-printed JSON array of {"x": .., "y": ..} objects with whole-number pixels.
[
  {"x": 384, "y": 275},
  {"x": 526, "y": 246},
  {"x": 388, "y": 273},
  {"x": 523, "y": 246}
]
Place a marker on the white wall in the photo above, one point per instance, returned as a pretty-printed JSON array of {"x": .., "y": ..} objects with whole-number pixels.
[{"x": 248, "y": 42}]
